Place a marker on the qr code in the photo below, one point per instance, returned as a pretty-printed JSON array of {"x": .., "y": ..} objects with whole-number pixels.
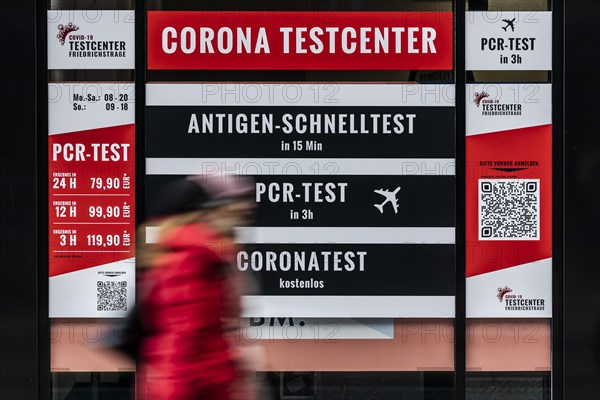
[
  {"x": 112, "y": 296},
  {"x": 509, "y": 209}
]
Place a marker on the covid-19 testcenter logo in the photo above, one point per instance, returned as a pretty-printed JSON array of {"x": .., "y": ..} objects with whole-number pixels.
[
  {"x": 496, "y": 106},
  {"x": 85, "y": 45},
  {"x": 518, "y": 302}
]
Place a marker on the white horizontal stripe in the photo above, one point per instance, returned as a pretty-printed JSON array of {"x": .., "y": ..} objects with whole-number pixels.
[
  {"x": 300, "y": 166},
  {"x": 294, "y": 94},
  {"x": 349, "y": 306},
  {"x": 346, "y": 235},
  {"x": 317, "y": 328},
  {"x": 337, "y": 235}
]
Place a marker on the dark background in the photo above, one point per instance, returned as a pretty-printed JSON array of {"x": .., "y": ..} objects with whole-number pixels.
[
  {"x": 423, "y": 200},
  {"x": 582, "y": 204},
  {"x": 432, "y": 137},
  {"x": 19, "y": 251},
  {"x": 23, "y": 338}
]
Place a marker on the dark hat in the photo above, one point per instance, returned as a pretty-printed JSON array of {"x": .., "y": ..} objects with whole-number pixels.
[{"x": 198, "y": 192}]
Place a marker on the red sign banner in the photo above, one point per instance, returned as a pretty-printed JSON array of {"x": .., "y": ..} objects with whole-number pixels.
[
  {"x": 516, "y": 157},
  {"x": 259, "y": 40},
  {"x": 91, "y": 184}
]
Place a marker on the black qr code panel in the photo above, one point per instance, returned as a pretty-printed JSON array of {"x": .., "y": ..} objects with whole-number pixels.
[
  {"x": 112, "y": 295},
  {"x": 509, "y": 209}
]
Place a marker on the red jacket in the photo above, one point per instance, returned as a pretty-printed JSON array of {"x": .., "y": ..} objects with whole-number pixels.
[{"x": 187, "y": 356}]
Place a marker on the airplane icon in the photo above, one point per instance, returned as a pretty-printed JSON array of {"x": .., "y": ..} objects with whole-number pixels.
[
  {"x": 510, "y": 23},
  {"x": 390, "y": 197}
]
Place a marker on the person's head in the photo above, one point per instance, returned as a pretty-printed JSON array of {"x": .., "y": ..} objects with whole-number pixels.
[
  {"x": 225, "y": 202},
  {"x": 230, "y": 201}
]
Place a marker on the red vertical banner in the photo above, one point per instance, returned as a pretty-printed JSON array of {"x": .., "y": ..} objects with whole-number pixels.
[
  {"x": 509, "y": 200},
  {"x": 91, "y": 203}
]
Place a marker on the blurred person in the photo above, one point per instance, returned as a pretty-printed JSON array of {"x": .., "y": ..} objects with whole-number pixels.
[{"x": 189, "y": 292}]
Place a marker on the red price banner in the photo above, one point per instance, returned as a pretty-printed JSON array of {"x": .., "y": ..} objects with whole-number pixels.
[{"x": 91, "y": 184}]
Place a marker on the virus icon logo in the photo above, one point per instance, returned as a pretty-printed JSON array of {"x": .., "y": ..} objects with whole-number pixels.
[
  {"x": 479, "y": 97},
  {"x": 502, "y": 292},
  {"x": 64, "y": 30}
]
